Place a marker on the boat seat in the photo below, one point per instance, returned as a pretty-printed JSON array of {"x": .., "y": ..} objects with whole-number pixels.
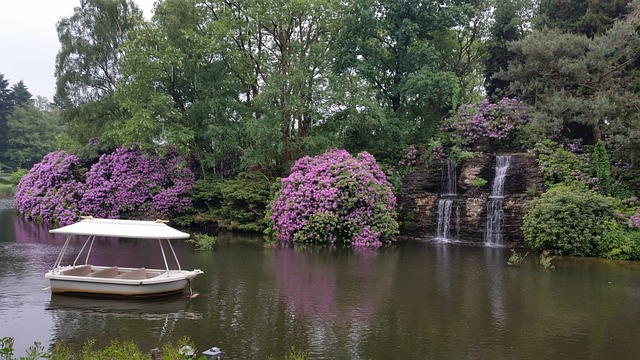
[
  {"x": 137, "y": 274},
  {"x": 109, "y": 272},
  {"x": 81, "y": 270}
]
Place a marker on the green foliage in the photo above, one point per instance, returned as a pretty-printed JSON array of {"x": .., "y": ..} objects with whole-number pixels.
[
  {"x": 88, "y": 64},
  {"x": 516, "y": 258},
  {"x": 7, "y": 190},
  {"x": 602, "y": 167},
  {"x": 478, "y": 182},
  {"x": 620, "y": 242},
  {"x": 567, "y": 220},
  {"x": 32, "y": 132},
  {"x": 117, "y": 350},
  {"x": 506, "y": 28},
  {"x": 6, "y": 348},
  {"x": 557, "y": 165},
  {"x": 545, "y": 260},
  {"x": 203, "y": 242},
  {"x": 294, "y": 354},
  {"x": 234, "y": 204},
  {"x": 583, "y": 86},
  {"x": 17, "y": 175}
]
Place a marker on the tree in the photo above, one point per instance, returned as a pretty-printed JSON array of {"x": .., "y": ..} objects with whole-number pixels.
[
  {"x": 178, "y": 89},
  {"x": 505, "y": 29},
  {"x": 590, "y": 18},
  {"x": 583, "y": 86},
  {"x": 87, "y": 65},
  {"x": 6, "y": 106},
  {"x": 279, "y": 52},
  {"x": 19, "y": 94},
  {"x": 32, "y": 132},
  {"x": 390, "y": 48}
]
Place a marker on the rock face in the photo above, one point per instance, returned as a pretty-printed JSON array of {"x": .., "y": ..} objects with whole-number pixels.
[{"x": 421, "y": 191}]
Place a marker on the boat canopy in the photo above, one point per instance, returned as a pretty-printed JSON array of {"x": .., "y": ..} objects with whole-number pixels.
[{"x": 136, "y": 229}]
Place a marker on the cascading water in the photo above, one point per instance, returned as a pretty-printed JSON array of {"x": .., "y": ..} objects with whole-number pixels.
[
  {"x": 495, "y": 213},
  {"x": 449, "y": 179},
  {"x": 447, "y": 206}
]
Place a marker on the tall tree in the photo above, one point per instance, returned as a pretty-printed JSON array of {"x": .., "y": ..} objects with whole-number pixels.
[
  {"x": 20, "y": 95},
  {"x": 591, "y": 18},
  {"x": 87, "y": 65},
  {"x": 32, "y": 130},
  {"x": 6, "y": 106},
  {"x": 585, "y": 86},
  {"x": 505, "y": 29},
  {"x": 177, "y": 88},
  {"x": 391, "y": 46}
]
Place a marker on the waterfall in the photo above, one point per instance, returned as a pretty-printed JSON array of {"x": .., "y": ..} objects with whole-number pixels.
[
  {"x": 495, "y": 213},
  {"x": 448, "y": 206},
  {"x": 449, "y": 179}
]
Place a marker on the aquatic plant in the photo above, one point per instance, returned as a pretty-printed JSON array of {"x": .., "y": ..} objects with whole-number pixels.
[{"x": 335, "y": 197}]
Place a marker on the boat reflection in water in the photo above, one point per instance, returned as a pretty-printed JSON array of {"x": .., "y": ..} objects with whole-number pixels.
[
  {"x": 177, "y": 305},
  {"x": 151, "y": 321}
]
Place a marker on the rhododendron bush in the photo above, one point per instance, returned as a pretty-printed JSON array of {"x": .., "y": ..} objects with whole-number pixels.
[
  {"x": 52, "y": 189},
  {"x": 485, "y": 121},
  {"x": 127, "y": 183},
  {"x": 335, "y": 197}
]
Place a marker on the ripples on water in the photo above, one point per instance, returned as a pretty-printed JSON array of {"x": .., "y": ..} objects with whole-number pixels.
[{"x": 419, "y": 300}]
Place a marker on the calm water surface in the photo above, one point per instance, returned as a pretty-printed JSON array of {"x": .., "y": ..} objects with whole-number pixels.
[{"x": 419, "y": 300}]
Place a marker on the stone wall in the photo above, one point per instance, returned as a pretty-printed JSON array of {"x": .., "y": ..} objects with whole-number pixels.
[{"x": 420, "y": 192}]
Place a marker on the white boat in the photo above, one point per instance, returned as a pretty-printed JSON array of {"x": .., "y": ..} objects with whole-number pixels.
[{"x": 87, "y": 279}]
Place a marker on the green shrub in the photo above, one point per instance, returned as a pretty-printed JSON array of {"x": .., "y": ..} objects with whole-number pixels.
[
  {"x": 478, "y": 182},
  {"x": 602, "y": 167},
  {"x": 560, "y": 166},
  {"x": 234, "y": 204},
  {"x": 620, "y": 242},
  {"x": 117, "y": 350},
  {"x": 7, "y": 190},
  {"x": 203, "y": 242},
  {"x": 17, "y": 175},
  {"x": 567, "y": 220}
]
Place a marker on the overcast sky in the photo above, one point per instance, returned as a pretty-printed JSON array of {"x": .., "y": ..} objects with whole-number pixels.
[{"x": 29, "y": 42}]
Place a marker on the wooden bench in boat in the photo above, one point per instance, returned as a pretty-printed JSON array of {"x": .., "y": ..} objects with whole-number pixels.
[
  {"x": 109, "y": 272},
  {"x": 82, "y": 270},
  {"x": 137, "y": 274}
]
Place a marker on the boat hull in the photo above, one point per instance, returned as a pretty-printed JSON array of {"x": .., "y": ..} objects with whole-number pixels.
[{"x": 162, "y": 283}]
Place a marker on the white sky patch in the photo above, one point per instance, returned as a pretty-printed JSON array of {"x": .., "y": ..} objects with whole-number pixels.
[{"x": 29, "y": 42}]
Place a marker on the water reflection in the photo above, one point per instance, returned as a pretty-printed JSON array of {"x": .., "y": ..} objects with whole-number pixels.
[
  {"x": 412, "y": 301},
  {"x": 79, "y": 318}
]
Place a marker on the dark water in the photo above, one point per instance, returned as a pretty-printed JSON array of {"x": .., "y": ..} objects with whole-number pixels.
[{"x": 418, "y": 300}]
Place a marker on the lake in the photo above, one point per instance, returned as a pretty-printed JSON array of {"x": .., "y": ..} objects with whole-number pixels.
[{"x": 414, "y": 300}]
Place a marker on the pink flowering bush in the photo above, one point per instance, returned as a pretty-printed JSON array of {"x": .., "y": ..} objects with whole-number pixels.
[
  {"x": 51, "y": 190},
  {"x": 335, "y": 197},
  {"x": 485, "y": 122},
  {"x": 127, "y": 183}
]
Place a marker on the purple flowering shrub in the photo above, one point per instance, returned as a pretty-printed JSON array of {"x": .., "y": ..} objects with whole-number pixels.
[
  {"x": 129, "y": 183},
  {"x": 485, "y": 122},
  {"x": 50, "y": 192},
  {"x": 335, "y": 197}
]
